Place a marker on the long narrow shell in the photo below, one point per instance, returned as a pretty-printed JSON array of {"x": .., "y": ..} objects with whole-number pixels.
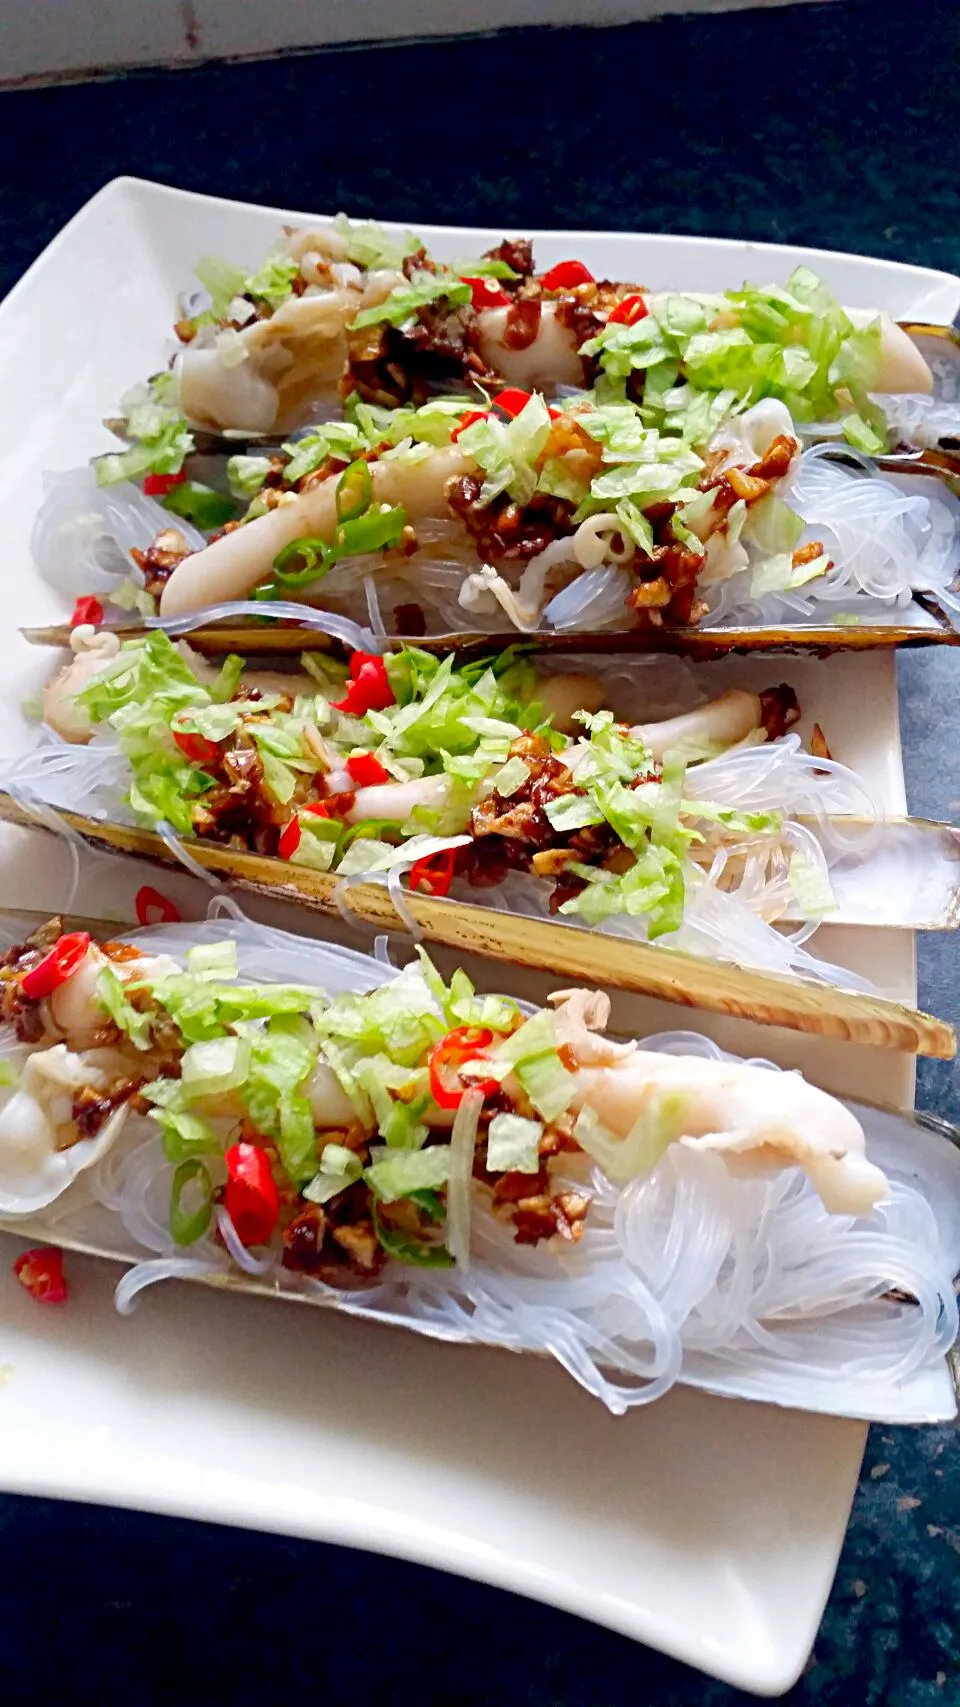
[
  {"x": 930, "y": 627},
  {"x": 908, "y": 878},
  {"x": 570, "y": 952}
]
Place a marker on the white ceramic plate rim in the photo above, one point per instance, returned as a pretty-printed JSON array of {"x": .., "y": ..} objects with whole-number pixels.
[{"x": 123, "y": 1441}]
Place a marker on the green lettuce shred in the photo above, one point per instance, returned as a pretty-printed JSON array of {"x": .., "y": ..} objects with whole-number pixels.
[
  {"x": 372, "y": 246},
  {"x": 160, "y": 440},
  {"x": 405, "y": 301}
]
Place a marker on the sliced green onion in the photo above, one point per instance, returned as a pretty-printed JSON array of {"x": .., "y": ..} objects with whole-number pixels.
[
  {"x": 371, "y": 829},
  {"x": 430, "y": 1202},
  {"x": 373, "y": 531},
  {"x": 354, "y": 491},
  {"x": 404, "y": 1249},
  {"x": 203, "y": 506},
  {"x": 189, "y": 1225},
  {"x": 370, "y": 532},
  {"x": 309, "y": 552}
]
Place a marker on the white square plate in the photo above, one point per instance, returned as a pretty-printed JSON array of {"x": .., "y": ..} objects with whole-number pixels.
[{"x": 709, "y": 1528}]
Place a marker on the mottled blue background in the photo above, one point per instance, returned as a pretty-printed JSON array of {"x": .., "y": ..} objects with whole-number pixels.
[{"x": 831, "y": 125}]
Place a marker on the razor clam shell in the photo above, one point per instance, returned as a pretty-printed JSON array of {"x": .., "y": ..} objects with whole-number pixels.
[
  {"x": 909, "y": 878},
  {"x": 940, "y": 347},
  {"x": 567, "y": 951},
  {"x": 930, "y": 626}
]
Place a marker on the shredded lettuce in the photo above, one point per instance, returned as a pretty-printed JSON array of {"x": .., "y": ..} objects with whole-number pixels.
[
  {"x": 273, "y": 280},
  {"x": 339, "y": 1167},
  {"x": 484, "y": 268},
  {"x": 772, "y": 526},
  {"x": 433, "y": 423},
  {"x": 139, "y": 693},
  {"x": 282, "y": 1054},
  {"x": 160, "y": 440},
  {"x": 335, "y": 439},
  {"x": 810, "y": 887},
  {"x": 699, "y": 359},
  {"x": 400, "y": 1020},
  {"x": 405, "y": 301},
  {"x": 114, "y": 1000},
  {"x": 405, "y": 1171},
  {"x": 779, "y": 574},
  {"x": 222, "y": 281},
  {"x": 460, "y": 1004},
  {"x": 372, "y": 246},
  {"x": 510, "y": 777},
  {"x": 659, "y": 1124},
  {"x": 513, "y": 1144},
  {"x": 213, "y": 1068},
  {"x": 185, "y": 1134},
  {"x": 213, "y": 960},
  {"x": 507, "y": 451},
  {"x": 653, "y": 886},
  {"x": 246, "y": 474}
]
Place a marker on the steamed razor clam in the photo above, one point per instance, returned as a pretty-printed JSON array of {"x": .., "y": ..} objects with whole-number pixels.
[
  {"x": 74, "y": 1070},
  {"x": 418, "y": 761},
  {"x": 490, "y": 781},
  {"x": 443, "y": 519},
  {"x": 327, "y": 1126},
  {"x": 355, "y": 309},
  {"x": 666, "y": 484}
]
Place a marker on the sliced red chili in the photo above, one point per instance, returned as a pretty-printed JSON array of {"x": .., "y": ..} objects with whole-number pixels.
[
  {"x": 366, "y": 770},
  {"x": 289, "y": 839},
  {"x": 368, "y": 688},
  {"x": 87, "y": 609},
  {"x": 195, "y": 747},
  {"x": 434, "y": 874},
  {"x": 158, "y": 485},
  {"x": 487, "y": 293},
  {"x": 466, "y": 421},
  {"x": 336, "y": 806},
  {"x": 155, "y": 909},
  {"x": 511, "y": 401},
  {"x": 251, "y": 1197},
  {"x": 40, "y": 1272},
  {"x": 629, "y": 311},
  {"x": 565, "y": 275},
  {"x": 464, "y": 1043},
  {"x": 56, "y": 967}
]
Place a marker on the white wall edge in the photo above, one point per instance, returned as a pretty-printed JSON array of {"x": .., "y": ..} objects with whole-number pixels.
[{"x": 104, "y": 38}]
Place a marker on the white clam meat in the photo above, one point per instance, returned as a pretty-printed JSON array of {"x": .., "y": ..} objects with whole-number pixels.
[{"x": 40, "y": 1153}]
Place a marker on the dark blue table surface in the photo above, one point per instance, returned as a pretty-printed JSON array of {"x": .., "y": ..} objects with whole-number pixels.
[{"x": 830, "y": 125}]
